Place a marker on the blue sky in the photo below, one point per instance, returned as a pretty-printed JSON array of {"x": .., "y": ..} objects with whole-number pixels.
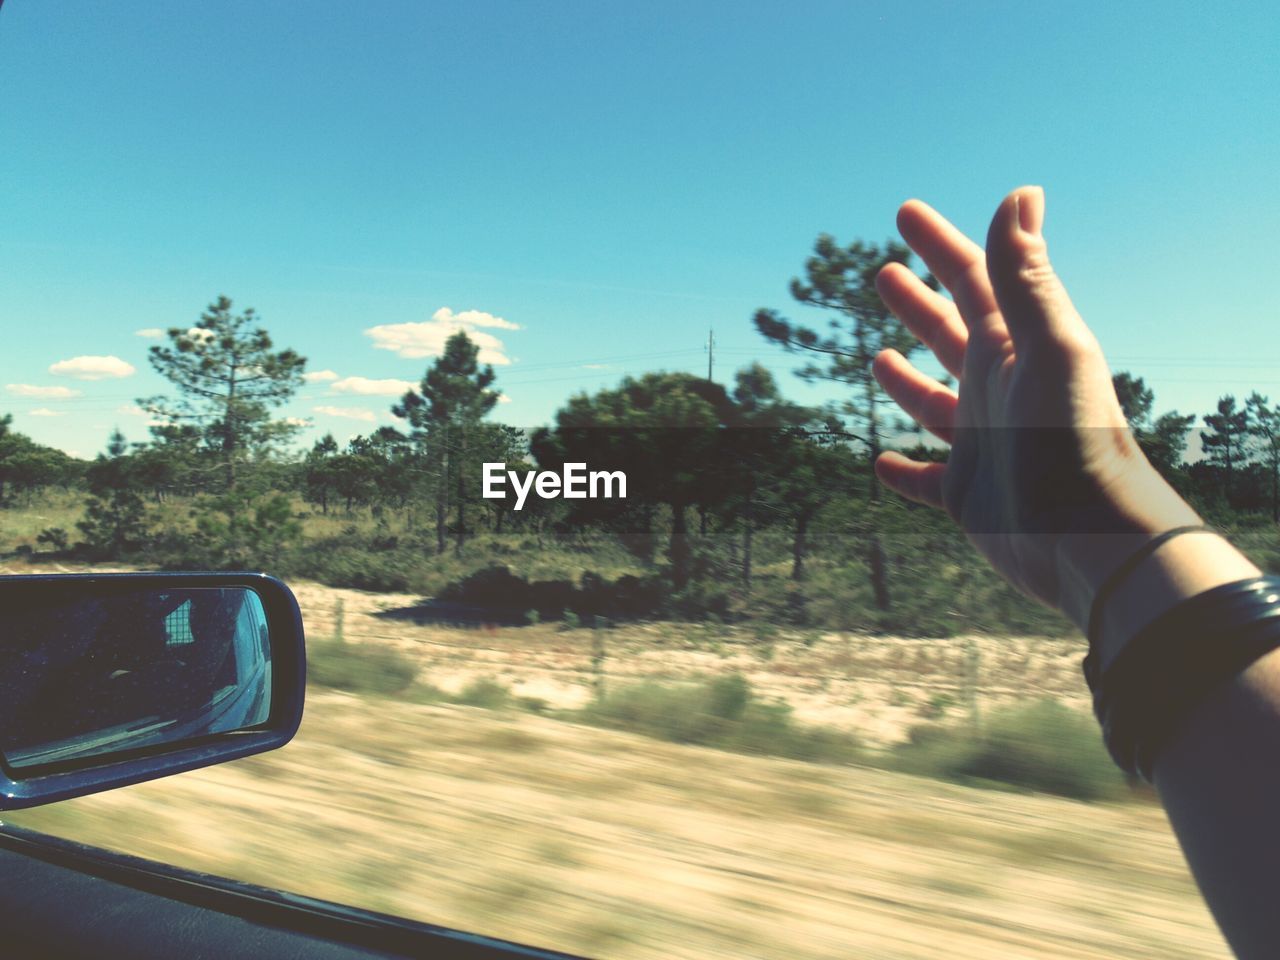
[{"x": 609, "y": 180}]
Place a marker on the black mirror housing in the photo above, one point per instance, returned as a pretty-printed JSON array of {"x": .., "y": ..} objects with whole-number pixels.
[{"x": 113, "y": 679}]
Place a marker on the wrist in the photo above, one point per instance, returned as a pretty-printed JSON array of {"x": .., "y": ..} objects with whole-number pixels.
[
  {"x": 1146, "y": 508},
  {"x": 1182, "y": 568}
]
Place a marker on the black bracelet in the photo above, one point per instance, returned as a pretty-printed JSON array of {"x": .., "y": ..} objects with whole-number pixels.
[
  {"x": 1122, "y": 572},
  {"x": 1174, "y": 663}
]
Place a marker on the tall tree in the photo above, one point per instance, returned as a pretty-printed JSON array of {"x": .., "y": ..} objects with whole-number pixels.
[
  {"x": 114, "y": 522},
  {"x": 1165, "y": 444},
  {"x": 1136, "y": 400},
  {"x": 1225, "y": 442},
  {"x": 662, "y": 430},
  {"x": 395, "y": 465},
  {"x": 1164, "y": 441},
  {"x": 317, "y": 472},
  {"x": 501, "y": 443},
  {"x": 10, "y": 445},
  {"x": 774, "y": 465},
  {"x": 1264, "y": 434},
  {"x": 800, "y": 483},
  {"x": 228, "y": 376},
  {"x": 841, "y": 280},
  {"x": 452, "y": 399},
  {"x": 27, "y": 466}
]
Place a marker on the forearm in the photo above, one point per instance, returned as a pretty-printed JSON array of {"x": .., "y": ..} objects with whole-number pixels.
[
  {"x": 1218, "y": 774},
  {"x": 1219, "y": 781}
]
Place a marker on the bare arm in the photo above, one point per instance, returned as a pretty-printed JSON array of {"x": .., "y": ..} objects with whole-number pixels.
[{"x": 1047, "y": 482}]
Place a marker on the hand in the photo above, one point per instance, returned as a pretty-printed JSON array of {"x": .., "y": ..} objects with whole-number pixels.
[{"x": 1043, "y": 475}]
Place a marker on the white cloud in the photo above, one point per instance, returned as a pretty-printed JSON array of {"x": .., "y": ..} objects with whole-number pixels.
[
  {"x": 297, "y": 421},
  {"x": 41, "y": 393},
  {"x": 347, "y": 413},
  {"x": 597, "y": 366},
  {"x": 473, "y": 318},
  {"x": 503, "y": 398},
  {"x": 426, "y": 338},
  {"x": 93, "y": 368},
  {"x": 319, "y": 376},
  {"x": 199, "y": 333},
  {"x": 44, "y": 412},
  {"x": 364, "y": 387},
  {"x": 149, "y": 333}
]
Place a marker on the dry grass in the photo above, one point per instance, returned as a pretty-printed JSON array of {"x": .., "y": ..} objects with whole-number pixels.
[
  {"x": 20, "y": 525},
  {"x": 612, "y": 845}
]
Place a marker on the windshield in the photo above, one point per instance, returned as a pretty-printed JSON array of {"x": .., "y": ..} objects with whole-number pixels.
[{"x": 531, "y": 344}]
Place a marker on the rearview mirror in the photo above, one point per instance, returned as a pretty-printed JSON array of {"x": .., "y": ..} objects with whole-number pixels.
[{"x": 112, "y": 679}]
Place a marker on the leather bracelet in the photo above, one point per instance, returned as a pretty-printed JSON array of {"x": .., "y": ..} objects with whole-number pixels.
[
  {"x": 1122, "y": 573},
  {"x": 1174, "y": 663}
]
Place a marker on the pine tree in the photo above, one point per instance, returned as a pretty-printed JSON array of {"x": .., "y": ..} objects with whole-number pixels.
[
  {"x": 452, "y": 399},
  {"x": 228, "y": 377},
  {"x": 1264, "y": 434},
  {"x": 842, "y": 280},
  {"x": 1225, "y": 441},
  {"x": 114, "y": 523},
  {"x": 1164, "y": 441}
]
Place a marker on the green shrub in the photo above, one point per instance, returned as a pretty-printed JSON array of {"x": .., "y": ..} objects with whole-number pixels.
[
  {"x": 722, "y": 713},
  {"x": 243, "y": 528},
  {"x": 424, "y": 692},
  {"x": 485, "y": 693},
  {"x": 1042, "y": 746},
  {"x": 342, "y": 565},
  {"x": 359, "y": 668},
  {"x": 55, "y": 538},
  {"x": 728, "y": 696},
  {"x": 657, "y": 710}
]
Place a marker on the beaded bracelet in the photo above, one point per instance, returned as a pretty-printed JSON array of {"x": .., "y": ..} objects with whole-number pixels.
[{"x": 1174, "y": 663}]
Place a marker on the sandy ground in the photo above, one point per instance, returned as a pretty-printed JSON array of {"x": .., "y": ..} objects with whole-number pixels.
[
  {"x": 878, "y": 687},
  {"x": 612, "y": 845}
]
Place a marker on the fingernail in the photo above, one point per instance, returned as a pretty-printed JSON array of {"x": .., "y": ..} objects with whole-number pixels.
[{"x": 1030, "y": 209}]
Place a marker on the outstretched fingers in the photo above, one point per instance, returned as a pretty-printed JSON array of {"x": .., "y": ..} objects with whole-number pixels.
[
  {"x": 924, "y": 399},
  {"x": 953, "y": 258},
  {"x": 921, "y": 482},
  {"x": 930, "y": 316}
]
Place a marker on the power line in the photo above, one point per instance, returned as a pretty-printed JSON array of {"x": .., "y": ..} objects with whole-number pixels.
[
  {"x": 624, "y": 358},
  {"x": 1195, "y": 362}
]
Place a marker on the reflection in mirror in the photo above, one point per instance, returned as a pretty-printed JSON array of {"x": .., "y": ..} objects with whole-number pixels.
[{"x": 88, "y": 675}]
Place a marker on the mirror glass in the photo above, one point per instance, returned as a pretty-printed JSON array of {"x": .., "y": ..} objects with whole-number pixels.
[{"x": 89, "y": 674}]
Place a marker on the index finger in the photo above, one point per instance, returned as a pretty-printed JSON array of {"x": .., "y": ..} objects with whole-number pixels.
[{"x": 958, "y": 263}]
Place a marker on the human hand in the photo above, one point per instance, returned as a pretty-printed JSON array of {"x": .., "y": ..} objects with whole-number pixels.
[{"x": 1043, "y": 475}]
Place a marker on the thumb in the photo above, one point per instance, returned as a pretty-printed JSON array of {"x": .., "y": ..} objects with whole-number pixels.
[{"x": 1032, "y": 299}]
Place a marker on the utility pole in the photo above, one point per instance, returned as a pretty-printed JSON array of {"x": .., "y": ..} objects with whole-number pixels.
[{"x": 711, "y": 352}]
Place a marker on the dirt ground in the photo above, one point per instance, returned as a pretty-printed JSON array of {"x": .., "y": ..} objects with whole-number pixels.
[
  {"x": 612, "y": 845},
  {"x": 877, "y": 687}
]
